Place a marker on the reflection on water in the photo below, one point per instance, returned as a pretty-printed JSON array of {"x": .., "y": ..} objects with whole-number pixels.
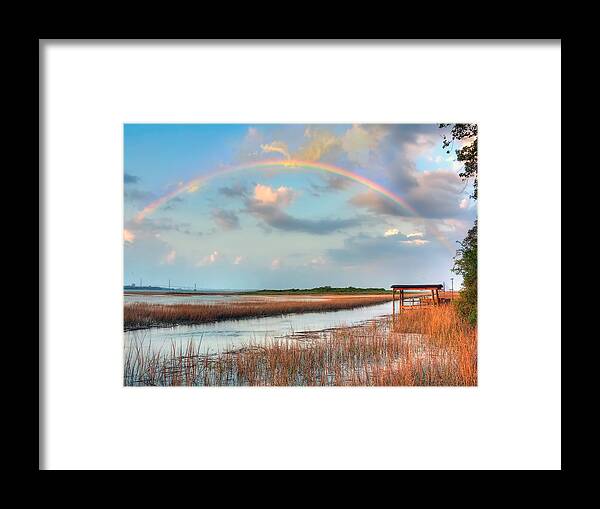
[{"x": 232, "y": 334}]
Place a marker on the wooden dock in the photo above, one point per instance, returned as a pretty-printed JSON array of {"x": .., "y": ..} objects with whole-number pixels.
[{"x": 416, "y": 296}]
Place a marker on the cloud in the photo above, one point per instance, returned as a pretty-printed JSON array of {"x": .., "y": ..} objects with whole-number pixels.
[
  {"x": 172, "y": 203},
  {"x": 266, "y": 195},
  {"x": 420, "y": 143},
  {"x": 282, "y": 221},
  {"x": 464, "y": 203},
  {"x": 170, "y": 257},
  {"x": 320, "y": 142},
  {"x": 249, "y": 149},
  {"x": 365, "y": 249},
  {"x": 225, "y": 219},
  {"x": 153, "y": 226},
  {"x": 333, "y": 183},
  {"x": 387, "y": 152},
  {"x": 415, "y": 242},
  {"x": 237, "y": 260},
  {"x": 131, "y": 179},
  {"x": 276, "y": 264},
  {"x": 136, "y": 195},
  {"x": 404, "y": 143},
  {"x": 434, "y": 194},
  {"x": 128, "y": 236},
  {"x": 378, "y": 204},
  {"x": 392, "y": 232},
  {"x": 209, "y": 259},
  {"x": 276, "y": 146},
  {"x": 253, "y": 133},
  {"x": 233, "y": 191},
  {"x": 267, "y": 204},
  {"x": 147, "y": 250},
  {"x": 318, "y": 261},
  {"x": 360, "y": 142}
]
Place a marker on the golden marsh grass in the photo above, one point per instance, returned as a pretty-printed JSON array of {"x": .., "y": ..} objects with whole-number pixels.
[
  {"x": 421, "y": 347},
  {"x": 141, "y": 315}
]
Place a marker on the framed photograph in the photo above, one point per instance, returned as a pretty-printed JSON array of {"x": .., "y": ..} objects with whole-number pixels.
[{"x": 304, "y": 255}]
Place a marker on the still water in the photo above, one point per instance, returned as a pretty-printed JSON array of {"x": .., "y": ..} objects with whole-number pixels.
[
  {"x": 232, "y": 334},
  {"x": 165, "y": 298}
]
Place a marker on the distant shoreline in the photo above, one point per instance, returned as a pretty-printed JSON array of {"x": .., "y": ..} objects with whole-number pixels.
[{"x": 323, "y": 290}]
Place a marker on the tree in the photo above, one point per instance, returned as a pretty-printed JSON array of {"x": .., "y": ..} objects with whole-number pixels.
[
  {"x": 467, "y": 154},
  {"x": 465, "y": 261},
  {"x": 465, "y": 264}
]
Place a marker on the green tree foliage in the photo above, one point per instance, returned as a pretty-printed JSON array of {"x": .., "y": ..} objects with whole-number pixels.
[
  {"x": 467, "y": 154},
  {"x": 465, "y": 261},
  {"x": 465, "y": 264}
]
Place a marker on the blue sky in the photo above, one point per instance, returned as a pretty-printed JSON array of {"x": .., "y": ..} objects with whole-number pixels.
[{"x": 285, "y": 227}]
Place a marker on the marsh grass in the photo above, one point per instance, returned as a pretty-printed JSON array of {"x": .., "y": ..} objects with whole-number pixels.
[
  {"x": 430, "y": 347},
  {"x": 142, "y": 315}
]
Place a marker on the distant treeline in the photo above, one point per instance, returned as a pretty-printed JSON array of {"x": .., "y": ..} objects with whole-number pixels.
[
  {"x": 320, "y": 289},
  {"x": 134, "y": 287},
  {"x": 326, "y": 289}
]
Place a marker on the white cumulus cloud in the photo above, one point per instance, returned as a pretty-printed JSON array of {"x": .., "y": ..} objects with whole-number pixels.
[{"x": 266, "y": 195}]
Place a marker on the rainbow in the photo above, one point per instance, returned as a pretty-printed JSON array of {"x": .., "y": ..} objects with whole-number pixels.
[{"x": 285, "y": 164}]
